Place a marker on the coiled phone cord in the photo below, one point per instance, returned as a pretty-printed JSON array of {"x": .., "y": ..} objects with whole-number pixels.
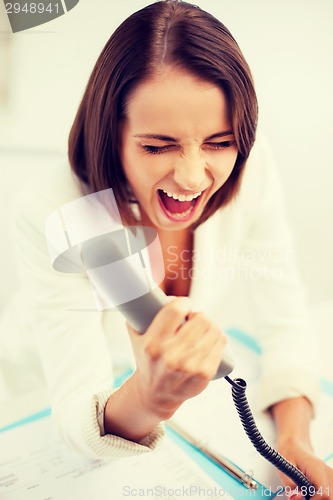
[{"x": 240, "y": 400}]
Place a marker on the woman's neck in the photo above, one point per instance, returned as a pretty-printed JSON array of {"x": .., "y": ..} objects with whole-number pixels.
[{"x": 177, "y": 248}]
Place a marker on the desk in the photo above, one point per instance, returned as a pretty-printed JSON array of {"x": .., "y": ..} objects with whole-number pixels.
[{"x": 58, "y": 469}]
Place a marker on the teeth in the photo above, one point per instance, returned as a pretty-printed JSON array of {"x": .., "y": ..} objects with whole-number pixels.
[
  {"x": 181, "y": 215},
  {"x": 182, "y": 197}
]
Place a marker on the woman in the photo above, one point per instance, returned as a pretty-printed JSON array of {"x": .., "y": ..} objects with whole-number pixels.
[{"x": 168, "y": 120}]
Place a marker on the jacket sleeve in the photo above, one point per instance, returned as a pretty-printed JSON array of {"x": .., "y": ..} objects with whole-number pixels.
[
  {"x": 69, "y": 336},
  {"x": 277, "y": 300}
]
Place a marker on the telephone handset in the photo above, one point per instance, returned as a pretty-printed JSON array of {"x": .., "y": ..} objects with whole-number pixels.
[{"x": 140, "y": 310}]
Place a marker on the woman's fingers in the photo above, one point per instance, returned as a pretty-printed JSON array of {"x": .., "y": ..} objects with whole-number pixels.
[
  {"x": 178, "y": 355},
  {"x": 202, "y": 359},
  {"x": 168, "y": 319},
  {"x": 317, "y": 472},
  {"x": 196, "y": 349},
  {"x": 165, "y": 323}
]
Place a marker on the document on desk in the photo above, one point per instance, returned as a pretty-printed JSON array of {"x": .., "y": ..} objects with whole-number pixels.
[
  {"x": 212, "y": 419},
  {"x": 35, "y": 465}
]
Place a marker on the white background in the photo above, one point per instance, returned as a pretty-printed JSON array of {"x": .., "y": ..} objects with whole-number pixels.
[{"x": 289, "y": 46}]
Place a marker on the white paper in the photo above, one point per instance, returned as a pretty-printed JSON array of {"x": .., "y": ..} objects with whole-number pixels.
[{"x": 35, "y": 465}]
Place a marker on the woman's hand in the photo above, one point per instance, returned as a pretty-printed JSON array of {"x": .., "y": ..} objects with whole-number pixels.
[
  {"x": 318, "y": 473},
  {"x": 293, "y": 418},
  {"x": 176, "y": 359}
]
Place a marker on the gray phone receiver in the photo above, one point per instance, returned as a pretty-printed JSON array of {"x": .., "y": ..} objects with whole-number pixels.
[
  {"x": 123, "y": 264},
  {"x": 139, "y": 311}
]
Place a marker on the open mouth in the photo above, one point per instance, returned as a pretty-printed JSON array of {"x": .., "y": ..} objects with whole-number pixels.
[{"x": 178, "y": 207}]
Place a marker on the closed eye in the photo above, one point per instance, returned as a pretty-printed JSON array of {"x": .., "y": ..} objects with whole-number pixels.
[
  {"x": 220, "y": 145},
  {"x": 156, "y": 150}
]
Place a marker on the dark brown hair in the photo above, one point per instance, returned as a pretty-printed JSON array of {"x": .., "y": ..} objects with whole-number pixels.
[{"x": 167, "y": 32}]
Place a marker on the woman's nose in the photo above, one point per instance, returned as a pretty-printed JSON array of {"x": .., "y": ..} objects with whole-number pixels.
[{"x": 190, "y": 172}]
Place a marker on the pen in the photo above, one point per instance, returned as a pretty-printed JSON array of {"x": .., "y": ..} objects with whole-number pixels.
[{"x": 237, "y": 473}]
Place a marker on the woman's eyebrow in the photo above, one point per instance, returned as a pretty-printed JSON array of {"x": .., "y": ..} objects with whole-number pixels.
[
  {"x": 167, "y": 138},
  {"x": 219, "y": 134},
  {"x": 159, "y": 137}
]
